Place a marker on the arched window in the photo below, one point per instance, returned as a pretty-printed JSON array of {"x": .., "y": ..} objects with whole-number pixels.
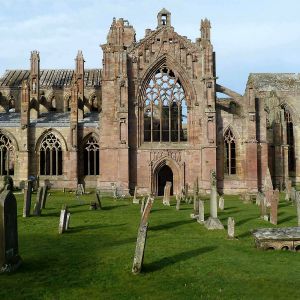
[
  {"x": 229, "y": 153},
  {"x": 91, "y": 157},
  {"x": 165, "y": 109},
  {"x": 290, "y": 141},
  {"x": 7, "y": 156},
  {"x": 50, "y": 156}
]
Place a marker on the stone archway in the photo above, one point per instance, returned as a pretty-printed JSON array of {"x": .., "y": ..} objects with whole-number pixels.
[{"x": 163, "y": 175}]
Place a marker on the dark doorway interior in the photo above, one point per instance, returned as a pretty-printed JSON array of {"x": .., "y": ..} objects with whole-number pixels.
[{"x": 165, "y": 174}]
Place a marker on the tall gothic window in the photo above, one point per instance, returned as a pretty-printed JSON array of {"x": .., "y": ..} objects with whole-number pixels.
[
  {"x": 7, "y": 156},
  {"x": 290, "y": 141},
  {"x": 91, "y": 157},
  {"x": 229, "y": 153},
  {"x": 165, "y": 109},
  {"x": 50, "y": 155}
]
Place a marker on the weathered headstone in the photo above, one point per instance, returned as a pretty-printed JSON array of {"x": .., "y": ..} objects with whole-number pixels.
[
  {"x": 201, "y": 212},
  {"x": 167, "y": 192},
  {"x": 293, "y": 194},
  {"x": 213, "y": 222},
  {"x": 98, "y": 198},
  {"x": 63, "y": 219},
  {"x": 38, "y": 204},
  {"x": 221, "y": 203},
  {"x": 135, "y": 199},
  {"x": 268, "y": 188},
  {"x": 259, "y": 198},
  {"x": 230, "y": 228},
  {"x": 9, "y": 249},
  {"x": 178, "y": 202},
  {"x": 288, "y": 189},
  {"x": 114, "y": 190},
  {"x": 44, "y": 196},
  {"x": 274, "y": 207},
  {"x": 27, "y": 199},
  {"x": 263, "y": 209},
  {"x": 298, "y": 206},
  {"x": 143, "y": 205},
  {"x": 141, "y": 238},
  {"x": 68, "y": 221},
  {"x": 194, "y": 215}
]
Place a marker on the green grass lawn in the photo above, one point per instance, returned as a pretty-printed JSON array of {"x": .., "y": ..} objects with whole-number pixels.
[{"x": 183, "y": 260}]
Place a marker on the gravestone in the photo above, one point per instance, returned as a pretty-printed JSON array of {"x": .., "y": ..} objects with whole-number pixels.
[
  {"x": 27, "y": 199},
  {"x": 63, "y": 219},
  {"x": 298, "y": 206},
  {"x": 293, "y": 194},
  {"x": 114, "y": 190},
  {"x": 259, "y": 198},
  {"x": 38, "y": 204},
  {"x": 274, "y": 207},
  {"x": 288, "y": 189},
  {"x": 221, "y": 203},
  {"x": 201, "y": 212},
  {"x": 167, "y": 191},
  {"x": 44, "y": 195},
  {"x": 213, "y": 222},
  {"x": 98, "y": 198},
  {"x": 178, "y": 202},
  {"x": 9, "y": 248},
  {"x": 141, "y": 238},
  {"x": 230, "y": 228},
  {"x": 194, "y": 215},
  {"x": 68, "y": 220},
  {"x": 135, "y": 199},
  {"x": 263, "y": 209},
  {"x": 268, "y": 188},
  {"x": 143, "y": 205}
]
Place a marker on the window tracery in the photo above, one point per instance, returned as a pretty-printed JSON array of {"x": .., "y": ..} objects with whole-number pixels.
[{"x": 91, "y": 157}]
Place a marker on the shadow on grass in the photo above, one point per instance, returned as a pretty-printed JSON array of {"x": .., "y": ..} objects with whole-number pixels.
[
  {"x": 91, "y": 227},
  {"x": 170, "y": 225},
  {"x": 241, "y": 222},
  {"x": 230, "y": 207},
  {"x": 244, "y": 235},
  {"x": 113, "y": 206},
  {"x": 167, "y": 261},
  {"x": 286, "y": 219}
]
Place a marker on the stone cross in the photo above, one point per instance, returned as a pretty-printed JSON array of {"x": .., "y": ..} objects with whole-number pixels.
[
  {"x": 141, "y": 238},
  {"x": 44, "y": 195},
  {"x": 230, "y": 228},
  {"x": 98, "y": 198},
  {"x": 143, "y": 205},
  {"x": 274, "y": 207},
  {"x": 298, "y": 206},
  {"x": 27, "y": 199},
  {"x": 221, "y": 203},
  {"x": 201, "y": 212},
  {"x": 63, "y": 219},
  {"x": 178, "y": 198},
  {"x": 9, "y": 247},
  {"x": 135, "y": 199},
  {"x": 213, "y": 222},
  {"x": 167, "y": 192}
]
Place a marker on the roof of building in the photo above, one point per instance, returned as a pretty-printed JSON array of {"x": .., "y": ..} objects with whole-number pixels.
[
  {"x": 275, "y": 81},
  {"x": 50, "y": 78}
]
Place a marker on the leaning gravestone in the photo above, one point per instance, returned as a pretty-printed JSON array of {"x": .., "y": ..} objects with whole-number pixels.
[
  {"x": 135, "y": 200},
  {"x": 44, "y": 195},
  {"x": 274, "y": 207},
  {"x": 201, "y": 212},
  {"x": 9, "y": 249},
  {"x": 63, "y": 219},
  {"x": 27, "y": 199},
  {"x": 167, "y": 192},
  {"x": 221, "y": 203},
  {"x": 213, "y": 222},
  {"x": 230, "y": 228},
  {"x": 98, "y": 198},
  {"x": 298, "y": 206},
  {"x": 141, "y": 238}
]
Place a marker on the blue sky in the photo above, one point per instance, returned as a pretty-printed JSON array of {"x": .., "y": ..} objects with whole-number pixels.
[{"x": 248, "y": 36}]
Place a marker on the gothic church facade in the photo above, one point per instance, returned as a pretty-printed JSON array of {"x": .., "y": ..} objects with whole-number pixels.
[{"x": 151, "y": 114}]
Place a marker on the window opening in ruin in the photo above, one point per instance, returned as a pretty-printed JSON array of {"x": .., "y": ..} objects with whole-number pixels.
[
  {"x": 165, "y": 108},
  {"x": 7, "y": 156},
  {"x": 290, "y": 141},
  {"x": 50, "y": 156},
  {"x": 229, "y": 153},
  {"x": 91, "y": 157}
]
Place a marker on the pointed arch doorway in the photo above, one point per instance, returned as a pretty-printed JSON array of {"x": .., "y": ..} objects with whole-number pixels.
[{"x": 163, "y": 175}]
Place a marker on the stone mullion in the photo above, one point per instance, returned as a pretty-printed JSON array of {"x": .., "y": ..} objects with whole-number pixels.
[
  {"x": 170, "y": 129},
  {"x": 151, "y": 128},
  {"x": 1, "y": 157},
  {"x": 161, "y": 122},
  {"x": 51, "y": 159},
  {"x": 56, "y": 161},
  {"x": 179, "y": 120},
  {"x": 88, "y": 162}
]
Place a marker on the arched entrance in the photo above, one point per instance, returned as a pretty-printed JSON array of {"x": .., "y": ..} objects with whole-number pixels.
[{"x": 163, "y": 175}]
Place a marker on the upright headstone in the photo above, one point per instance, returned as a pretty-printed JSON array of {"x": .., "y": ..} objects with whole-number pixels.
[
  {"x": 213, "y": 222},
  {"x": 141, "y": 238},
  {"x": 68, "y": 221},
  {"x": 298, "y": 206},
  {"x": 37, "y": 210},
  {"x": 195, "y": 213},
  {"x": 135, "y": 199},
  {"x": 98, "y": 198},
  {"x": 114, "y": 190},
  {"x": 274, "y": 207},
  {"x": 167, "y": 192},
  {"x": 230, "y": 228},
  {"x": 259, "y": 198},
  {"x": 27, "y": 199},
  {"x": 263, "y": 209},
  {"x": 288, "y": 189},
  {"x": 268, "y": 188},
  {"x": 143, "y": 205},
  {"x": 44, "y": 195},
  {"x": 221, "y": 203},
  {"x": 178, "y": 202},
  {"x": 63, "y": 219},
  {"x": 293, "y": 194},
  {"x": 201, "y": 212},
  {"x": 10, "y": 259}
]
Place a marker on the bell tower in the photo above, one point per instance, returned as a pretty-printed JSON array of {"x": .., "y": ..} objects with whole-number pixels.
[{"x": 163, "y": 18}]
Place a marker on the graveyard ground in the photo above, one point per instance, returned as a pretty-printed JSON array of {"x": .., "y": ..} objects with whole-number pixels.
[{"x": 183, "y": 260}]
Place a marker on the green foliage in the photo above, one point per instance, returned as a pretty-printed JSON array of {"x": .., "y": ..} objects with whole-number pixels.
[{"x": 183, "y": 260}]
